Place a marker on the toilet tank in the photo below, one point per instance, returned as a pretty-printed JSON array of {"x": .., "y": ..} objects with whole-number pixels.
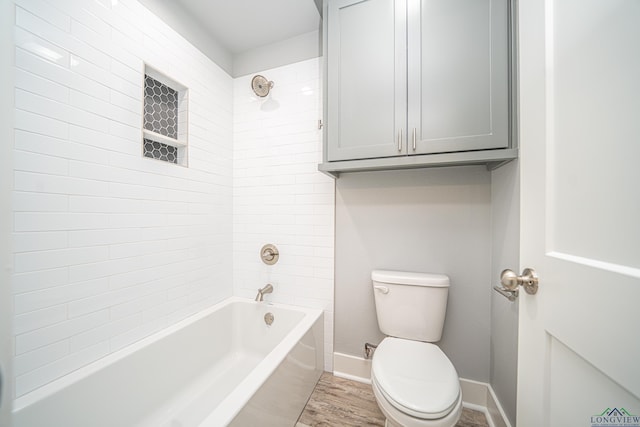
[{"x": 410, "y": 305}]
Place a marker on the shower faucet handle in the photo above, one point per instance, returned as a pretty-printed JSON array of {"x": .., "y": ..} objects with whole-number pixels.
[{"x": 269, "y": 254}]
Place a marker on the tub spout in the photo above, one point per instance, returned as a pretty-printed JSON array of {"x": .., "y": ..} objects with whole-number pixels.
[{"x": 266, "y": 290}]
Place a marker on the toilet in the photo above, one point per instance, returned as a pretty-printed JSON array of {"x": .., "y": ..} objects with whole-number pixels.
[{"x": 414, "y": 383}]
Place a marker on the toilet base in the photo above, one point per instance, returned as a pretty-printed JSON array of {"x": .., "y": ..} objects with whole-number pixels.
[{"x": 395, "y": 418}]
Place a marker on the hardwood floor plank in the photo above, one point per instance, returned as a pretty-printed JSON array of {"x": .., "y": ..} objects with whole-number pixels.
[{"x": 337, "y": 402}]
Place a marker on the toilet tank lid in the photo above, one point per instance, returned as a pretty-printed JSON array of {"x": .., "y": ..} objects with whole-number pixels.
[{"x": 410, "y": 278}]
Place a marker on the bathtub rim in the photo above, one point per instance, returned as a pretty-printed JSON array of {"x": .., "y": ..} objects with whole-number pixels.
[{"x": 311, "y": 315}]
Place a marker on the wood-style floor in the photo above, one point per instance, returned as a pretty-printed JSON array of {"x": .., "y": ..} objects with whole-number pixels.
[{"x": 337, "y": 402}]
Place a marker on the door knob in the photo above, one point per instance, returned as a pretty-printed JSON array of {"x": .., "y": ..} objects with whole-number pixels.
[{"x": 528, "y": 280}]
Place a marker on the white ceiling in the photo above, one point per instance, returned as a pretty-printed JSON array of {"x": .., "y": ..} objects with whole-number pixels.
[{"x": 241, "y": 25}]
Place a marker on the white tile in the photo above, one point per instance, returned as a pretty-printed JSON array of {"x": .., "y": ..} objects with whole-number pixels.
[
  {"x": 56, "y": 110},
  {"x": 39, "y": 202},
  {"x": 127, "y": 250},
  {"x": 162, "y": 311},
  {"x": 38, "y": 124},
  {"x": 43, "y": 29},
  {"x": 43, "y": 260},
  {"x": 82, "y": 238},
  {"x": 95, "y": 172},
  {"x": 137, "y": 192},
  {"x": 88, "y": 103},
  {"x": 129, "y": 88},
  {"x": 124, "y": 101},
  {"x": 126, "y": 72},
  {"x": 43, "y": 279},
  {"x": 91, "y": 70},
  {"x": 37, "y": 300},
  {"x": 38, "y": 377},
  {"x": 33, "y": 162},
  {"x": 41, "y": 86},
  {"x": 91, "y": 204},
  {"x": 62, "y": 75},
  {"x": 38, "y": 319},
  {"x": 39, "y": 241},
  {"x": 92, "y": 39},
  {"x": 38, "y": 143},
  {"x": 125, "y": 131},
  {"x": 41, "y": 48},
  {"x": 124, "y": 116},
  {"x": 105, "y": 142},
  {"x": 107, "y": 300},
  {"x": 88, "y": 27},
  {"x": 35, "y": 221},
  {"x": 44, "y": 355},
  {"x": 28, "y": 181},
  {"x": 62, "y": 330},
  {"x": 50, "y": 14},
  {"x": 137, "y": 220},
  {"x": 133, "y": 335},
  {"x": 103, "y": 333},
  {"x": 78, "y": 273},
  {"x": 131, "y": 306}
]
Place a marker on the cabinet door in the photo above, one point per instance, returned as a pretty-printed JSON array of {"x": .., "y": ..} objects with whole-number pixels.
[
  {"x": 458, "y": 75},
  {"x": 366, "y": 79}
]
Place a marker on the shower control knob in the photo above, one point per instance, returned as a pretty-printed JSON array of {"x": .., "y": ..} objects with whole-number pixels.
[
  {"x": 269, "y": 254},
  {"x": 528, "y": 280}
]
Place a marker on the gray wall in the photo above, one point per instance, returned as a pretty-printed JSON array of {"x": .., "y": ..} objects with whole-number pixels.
[
  {"x": 295, "y": 49},
  {"x": 429, "y": 220},
  {"x": 505, "y": 217},
  {"x": 7, "y": 15}
]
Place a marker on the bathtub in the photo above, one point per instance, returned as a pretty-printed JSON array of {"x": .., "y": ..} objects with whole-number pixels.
[{"x": 223, "y": 366}]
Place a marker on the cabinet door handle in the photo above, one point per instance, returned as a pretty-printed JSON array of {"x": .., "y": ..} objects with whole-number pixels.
[
  {"x": 400, "y": 140},
  {"x": 414, "y": 139}
]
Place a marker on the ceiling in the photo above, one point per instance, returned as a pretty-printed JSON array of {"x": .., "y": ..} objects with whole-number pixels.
[{"x": 241, "y": 25}]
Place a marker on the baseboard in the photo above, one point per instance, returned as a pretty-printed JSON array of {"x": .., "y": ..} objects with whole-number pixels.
[
  {"x": 352, "y": 367},
  {"x": 476, "y": 395},
  {"x": 496, "y": 413},
  {"x": 480, "y": 397}
]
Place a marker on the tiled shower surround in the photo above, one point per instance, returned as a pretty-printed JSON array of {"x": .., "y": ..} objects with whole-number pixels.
[
  {"x": 110, "y": 247},
  {"x": 279, "y": 196}
]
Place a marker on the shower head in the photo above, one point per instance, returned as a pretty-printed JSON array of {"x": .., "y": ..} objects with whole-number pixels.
[{"x": 261, "y": 86}]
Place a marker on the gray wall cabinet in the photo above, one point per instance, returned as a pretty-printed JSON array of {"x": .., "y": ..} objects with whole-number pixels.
[{"x": 413, "y": 83}]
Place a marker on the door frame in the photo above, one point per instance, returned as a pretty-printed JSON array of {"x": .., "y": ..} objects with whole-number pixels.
[{"x": 7, "y": 62}]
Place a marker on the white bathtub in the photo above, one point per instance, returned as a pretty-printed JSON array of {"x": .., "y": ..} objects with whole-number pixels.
[{"x": 223, "y": 366}]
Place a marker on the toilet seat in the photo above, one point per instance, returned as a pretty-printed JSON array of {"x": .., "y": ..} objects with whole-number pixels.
[{"x": 416, "y": 378}]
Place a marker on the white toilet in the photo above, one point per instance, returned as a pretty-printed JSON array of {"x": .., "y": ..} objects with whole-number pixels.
[{"x": 414, "y": 382}]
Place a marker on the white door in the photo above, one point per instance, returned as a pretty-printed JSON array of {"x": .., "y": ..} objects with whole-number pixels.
[{"x": 579, "y": 349}]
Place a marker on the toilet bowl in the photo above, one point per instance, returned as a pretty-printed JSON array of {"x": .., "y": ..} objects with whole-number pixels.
[
  {"x": 413, "y": 381},
  {"x": 415, "y": 384}
]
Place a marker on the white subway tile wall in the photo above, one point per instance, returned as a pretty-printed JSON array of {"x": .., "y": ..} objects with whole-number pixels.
[
  {"x": 110, "y": 246},
  {"x": 279, "y": 196}
]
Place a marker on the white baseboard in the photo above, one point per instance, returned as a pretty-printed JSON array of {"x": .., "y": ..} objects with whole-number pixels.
[
  {"x": 352, "y": 367},
  {"x": 476, "y": 395},
  {"x": 480, "y": 397}
]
